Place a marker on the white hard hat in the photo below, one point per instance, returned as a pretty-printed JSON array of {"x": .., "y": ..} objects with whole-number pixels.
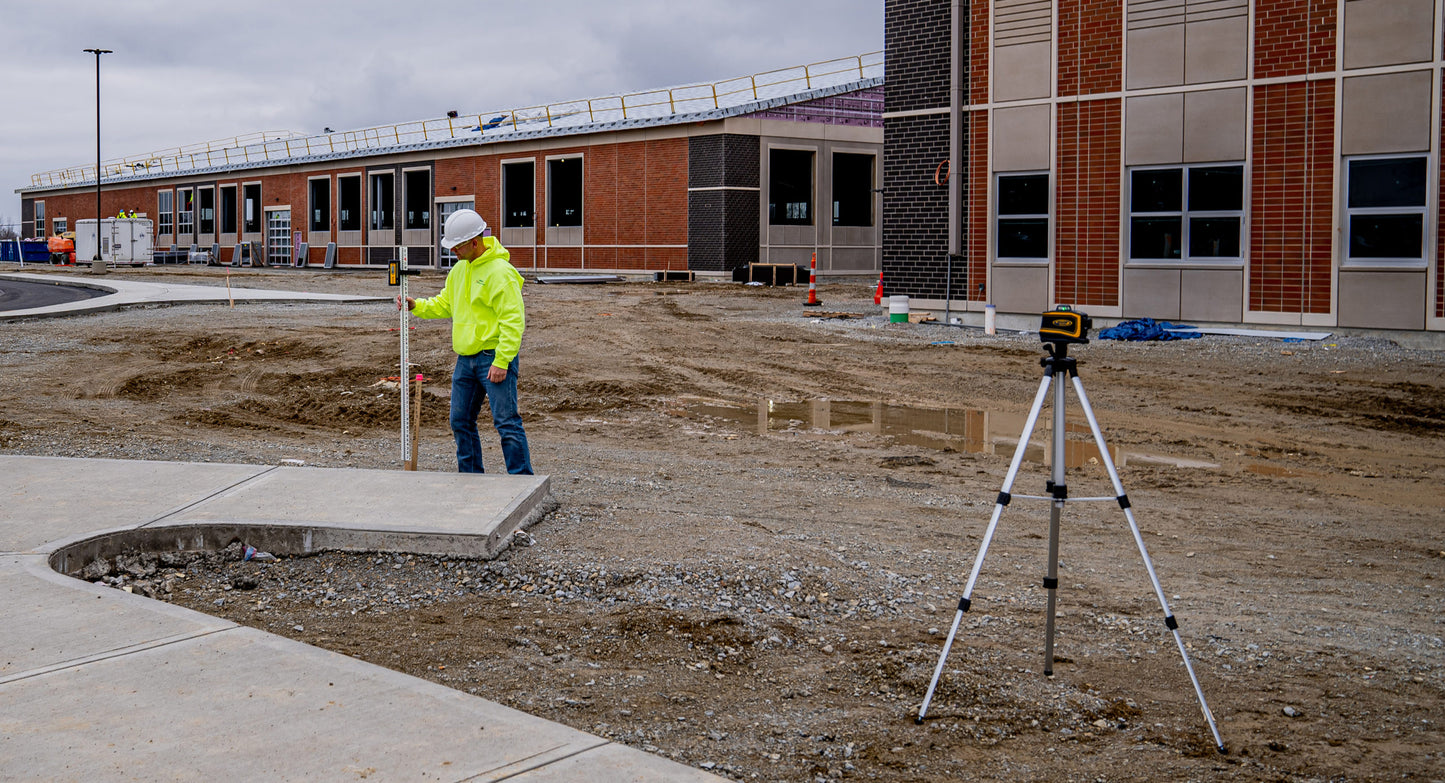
[{"x": 462, "y": 225}]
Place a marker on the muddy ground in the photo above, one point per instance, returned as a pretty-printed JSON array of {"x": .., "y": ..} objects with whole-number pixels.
[{"x": 744, "y": 577}]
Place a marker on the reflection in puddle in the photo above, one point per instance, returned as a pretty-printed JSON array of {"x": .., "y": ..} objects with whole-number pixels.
[{"x": 942, "y": 429}]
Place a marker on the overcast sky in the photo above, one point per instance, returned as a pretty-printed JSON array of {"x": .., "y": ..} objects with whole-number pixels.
[{"x": 187, "y": 72}]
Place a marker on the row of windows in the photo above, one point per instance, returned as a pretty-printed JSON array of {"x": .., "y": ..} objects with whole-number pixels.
[
  {"x": 790, "y": 188},
  {"x": 1196, "y": 213}
]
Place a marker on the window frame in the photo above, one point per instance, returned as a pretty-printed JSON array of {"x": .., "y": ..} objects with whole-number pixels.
[
  {"x": 552, "y": 190},
  {"x": 383, "y": 219},
  {"x": 445, "y": 256},
  {"x": 39, "y": 221},
  {"x": 313, "y": 224},
  {"x": 427, "y": 212},
  {"x": 185, "y": 218},
  {"x": 165, "y": 212},
  {"x": 358, "y": 222},
  {"x": 59, "y": 225},
  {"x": 811, "y": 205},
  {"x": 868, "y": 193},
  {"x": 531, "y": 217},
  {"x": 999, "y": 217},
  {"x": 205, "y": 216},
  {"x": 255, "y": 222},
  {"x": 229, "y": 222},
  {"x": 1348, "y": 261},
  {"x": 1187, "y": 216}
]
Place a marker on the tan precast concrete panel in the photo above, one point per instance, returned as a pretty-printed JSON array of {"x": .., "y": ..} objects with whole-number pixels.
[
  {"x": 1022, "y": 71},
  {"x": 1216, "y": 50},
  {"x": 1388, "y": 32},
  {"x": 1154, "y": 129},
  {"x": 1214, "y": 125},
  {"x": 1021, "y": 138},
  {"x": 1211, "y": 295},
  {"x": 1386, "y": 113},
  {"x": 1152, "y": 293},
  {"x": 1020, "y": 289},
  {"x": 1156, "y": 57},
  {"x": 1382, "y": 300}
]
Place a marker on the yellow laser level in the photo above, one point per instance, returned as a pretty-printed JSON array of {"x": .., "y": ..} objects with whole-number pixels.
[{"x": 1063, "y": 324}]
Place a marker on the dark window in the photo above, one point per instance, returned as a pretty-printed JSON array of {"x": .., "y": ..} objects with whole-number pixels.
[
  {"x": 418, "y": 199},
  {"x": 251, "y": 208},
  {"x": 207, "y": 210},
  {"x": 518, "y": 194},
  {"x": 348, "y": 206},
  {"x": 1189, "y": 213},
  {"x": 320, "y": 213},
  {"x": 564, "y": 192},
  {"x": 852, "y": 189},
  {"x": 1023, "y": 216},
  {"x": 790, "y": 187},
  {"x": 383, "y": 202},
  {"x": 228, "y": 209},
  {"x": 1386, "y": 208}
]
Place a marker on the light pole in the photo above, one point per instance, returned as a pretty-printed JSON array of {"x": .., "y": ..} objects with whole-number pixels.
[{"x": 97, "y": 264}]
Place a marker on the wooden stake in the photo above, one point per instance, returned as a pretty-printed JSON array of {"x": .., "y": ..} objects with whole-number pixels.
[
  {"x": 228, "y": 290},
  {"x": 415, "y": 424}
]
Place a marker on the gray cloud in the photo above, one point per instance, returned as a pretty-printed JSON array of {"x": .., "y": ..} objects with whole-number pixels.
[{"x": 187, "y": 72}]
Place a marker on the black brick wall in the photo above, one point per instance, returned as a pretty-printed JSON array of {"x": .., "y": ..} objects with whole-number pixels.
[
  {"x": 722, "y": 225},
  {"x": 915, "y": 209},
  {"x": 916, "y": 58},
  {"x": 27, "y": 218}
]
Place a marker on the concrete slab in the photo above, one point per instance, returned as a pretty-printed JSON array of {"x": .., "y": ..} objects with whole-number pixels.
[
  {"x": 59, "y": 621},
  {"x": 43, "y": 499},
  {"x": 456, "y": 513},
  {"x": 123, "y": 293},
  {"x": 96, "y": 683},
  {"x": 246, "y": 705}
]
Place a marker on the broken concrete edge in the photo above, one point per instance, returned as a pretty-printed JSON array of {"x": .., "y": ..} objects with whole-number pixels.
[{"x": 70, "y": 556}]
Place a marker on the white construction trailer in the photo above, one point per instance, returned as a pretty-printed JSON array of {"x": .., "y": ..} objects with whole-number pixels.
[{"x": 123, "y": 241}]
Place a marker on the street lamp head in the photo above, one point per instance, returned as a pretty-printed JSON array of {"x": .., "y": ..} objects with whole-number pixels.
[{"x": 99, "y": 52}]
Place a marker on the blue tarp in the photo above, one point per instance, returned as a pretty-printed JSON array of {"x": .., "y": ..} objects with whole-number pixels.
[{"x": 1147, "y": 329}]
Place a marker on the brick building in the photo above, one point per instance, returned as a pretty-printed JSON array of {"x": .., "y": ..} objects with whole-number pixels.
[
  {"x": 1271, "y": 162},
  {"x": 711, "y": 178}
]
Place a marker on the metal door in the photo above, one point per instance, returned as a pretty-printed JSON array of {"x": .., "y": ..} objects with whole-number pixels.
[{"x": 445, "y": 258}]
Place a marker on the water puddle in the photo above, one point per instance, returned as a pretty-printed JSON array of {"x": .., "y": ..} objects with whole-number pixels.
[{"x": 940, "y": 429}]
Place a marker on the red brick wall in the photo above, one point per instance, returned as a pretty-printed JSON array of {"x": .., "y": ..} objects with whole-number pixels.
[
  {"x": 1086, "y": 235},
  {"x": 978, "y": 217},
  {"x": 978, "y": 53},
  {"x": 1091, "y": 46},
  {"x": 81, "y": 205},
  {"x": 636, "y": 196},
  {"x": 1291, "y": 209},
  {"x": 1294, "y": 37}
]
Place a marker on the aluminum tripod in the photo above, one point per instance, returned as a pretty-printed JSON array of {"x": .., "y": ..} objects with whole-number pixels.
[{"x": 1058, "y": 361}]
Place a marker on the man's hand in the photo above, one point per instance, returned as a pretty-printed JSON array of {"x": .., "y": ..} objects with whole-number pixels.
[
  {"x": 410, "y": 303},
  {"x": 496, "y": 374}
]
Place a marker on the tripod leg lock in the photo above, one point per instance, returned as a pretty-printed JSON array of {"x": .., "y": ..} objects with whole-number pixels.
[
  {"x": 1051, "y": 583},
  {"x": 1124, "y": 501},
  {"x": 963, "y": 604},
  {"x": 1004, "y": 498},
  {"x": 1171, "y": 623}
]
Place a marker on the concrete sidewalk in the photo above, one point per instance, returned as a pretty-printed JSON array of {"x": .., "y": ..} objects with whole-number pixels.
[
  {"x": 124, "y": 293},
  {"x": 100, "y": 684}
]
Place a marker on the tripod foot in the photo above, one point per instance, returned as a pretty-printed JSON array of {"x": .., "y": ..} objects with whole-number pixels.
[{"x": 918, "y": 721}]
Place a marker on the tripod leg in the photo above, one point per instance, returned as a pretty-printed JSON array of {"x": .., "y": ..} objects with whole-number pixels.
[
  {"x": 1169, "y": 621},
  {"x": 1003, "y": 500},
  {"x": 1060, "y": 493}
]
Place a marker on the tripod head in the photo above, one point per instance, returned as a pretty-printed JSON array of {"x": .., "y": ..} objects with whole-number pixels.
[{"x": 1061, "y": 327}]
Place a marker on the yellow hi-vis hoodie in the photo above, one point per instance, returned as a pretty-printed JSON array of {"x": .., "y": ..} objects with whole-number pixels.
[{"x": 484, "y": 300}]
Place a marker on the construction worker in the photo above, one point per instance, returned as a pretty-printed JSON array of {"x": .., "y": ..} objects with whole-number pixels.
[{"x": 483, "y": 297}]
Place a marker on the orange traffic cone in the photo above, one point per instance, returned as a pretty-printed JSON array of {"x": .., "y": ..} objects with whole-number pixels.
[
  {"x": 813, "y": 283},
  {"x": 878, "y": 295}
]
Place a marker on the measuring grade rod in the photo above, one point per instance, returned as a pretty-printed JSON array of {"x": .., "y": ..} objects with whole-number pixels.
[{"x": 397, "y": 273}]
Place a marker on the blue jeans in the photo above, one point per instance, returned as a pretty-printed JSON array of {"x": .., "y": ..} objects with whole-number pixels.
[{"x": 469, "y": 386}]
